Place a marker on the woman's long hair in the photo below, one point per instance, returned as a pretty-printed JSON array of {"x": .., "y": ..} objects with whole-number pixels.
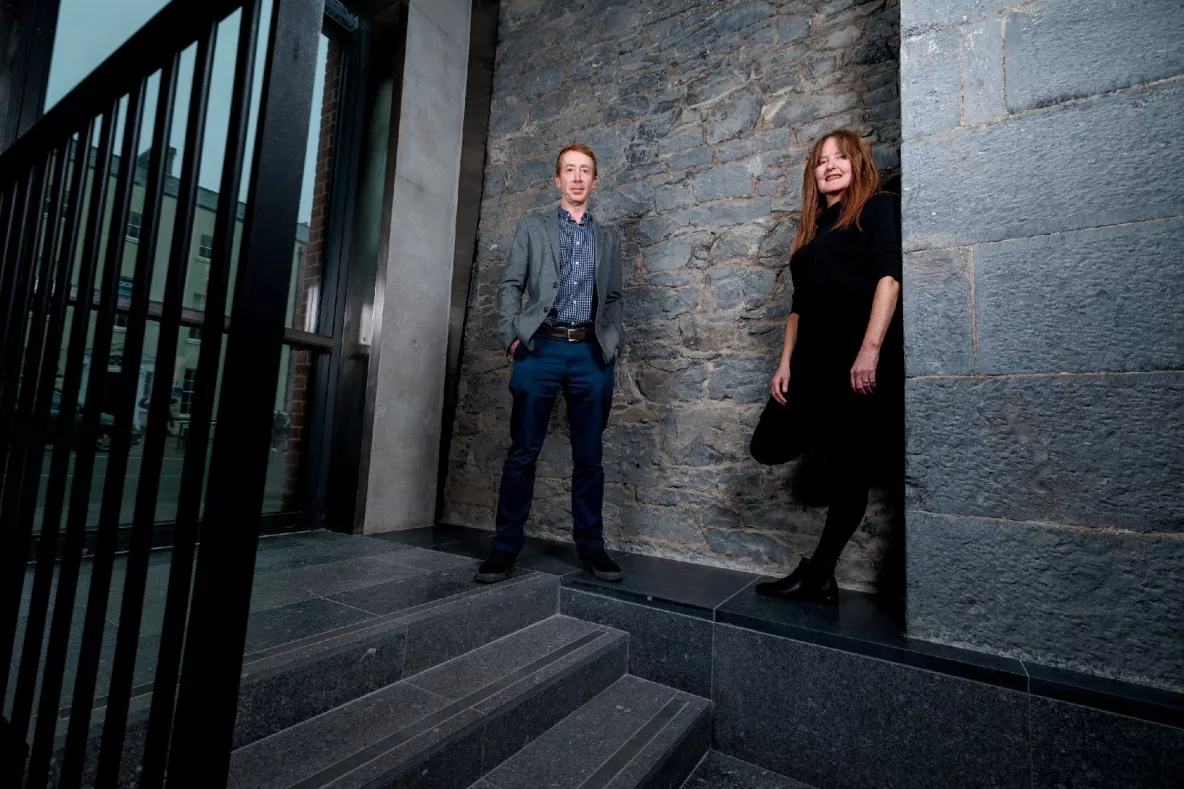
[{"x": 865, "y": 182}]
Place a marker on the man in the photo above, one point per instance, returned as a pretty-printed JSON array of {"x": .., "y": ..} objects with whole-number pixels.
[{"x": 561, "y": 321}]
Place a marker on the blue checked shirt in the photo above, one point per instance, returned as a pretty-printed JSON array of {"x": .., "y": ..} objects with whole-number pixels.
[{"x": 577, "y": 275}]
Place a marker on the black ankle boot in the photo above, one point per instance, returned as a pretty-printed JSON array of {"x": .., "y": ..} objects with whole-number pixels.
[{"x": 812, "y": 583}]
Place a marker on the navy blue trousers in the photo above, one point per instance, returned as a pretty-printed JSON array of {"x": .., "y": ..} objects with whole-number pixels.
[{"x": 579, "y": 371}]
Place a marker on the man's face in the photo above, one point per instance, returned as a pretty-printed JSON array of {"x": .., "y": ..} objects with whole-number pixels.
[{"x": 576, "y": 178}]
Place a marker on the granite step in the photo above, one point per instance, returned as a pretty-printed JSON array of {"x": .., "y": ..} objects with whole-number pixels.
[
  {"x": 444, "y": 727},
  {"x": 636, "y": 734},
  {"x": 718, "y": 771},
  {"x": 362, "y": 640}
]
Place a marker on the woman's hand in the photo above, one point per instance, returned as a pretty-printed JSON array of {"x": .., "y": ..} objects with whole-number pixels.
[
  {"x": 863, "y": 372},
  {"x": 780, "y": 383}
]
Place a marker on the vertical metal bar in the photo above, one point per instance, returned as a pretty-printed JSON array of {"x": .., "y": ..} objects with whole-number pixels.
[
  {"x": 63, "y": 610},
  {"x": 100, "y": 576},
  {"x": 132, "y": 606},
  {"x": 12, "y": 577},
  {"x": 18, "y": 531},
  {"x": 17, "y": 305},
  {"x": 43, "y": 576},
  {"x": 208, "y": 694},
  {"x": 172, "y": 634}
]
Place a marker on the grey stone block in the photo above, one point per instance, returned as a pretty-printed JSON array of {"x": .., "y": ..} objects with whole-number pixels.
[
  {"x": 1094, "y": 601},
  {"x": 272, "y": 700},
  {"x": 1109, "y": 298},
  {"x": 696, "y": 157},
  {"x": 572, "y": 752},
  {"x": 526, "y": 710},
  {"x": 674, "y": 253},
  {"x": 669, "y": 758},
  {"x": 735, "y": 115},
  {"x": 982, "y": 64},
  {"x": 1080, "y": 747},
  {"x": 936, "y": 312},
  {"x": 664, "y": 647},
  {"x": 1083, "y": 449},
  {"x": 798, "y": 108},
  {"x": 740, "y": 288},
  {"x": 646, "y": 304},
  {"x": 742, "y": 378},
  {"x": 727, "y": 180},
  {"x": 919, "y": 14},
  {"x": 833, "y": 718},
  {"x": 485, "y": 618},
  {"x": 270, "y": 763},
  {"x": 743, "y": 16},
  {"x": 931, "y": 83},
  {"x": 724, "y": 772},
  {"x": 1061, "y": 50},
  {"x": 680, "y": 140},
  {"x": 957, "y": 205}
]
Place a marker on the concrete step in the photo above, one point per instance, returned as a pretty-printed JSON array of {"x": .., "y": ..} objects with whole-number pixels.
[
  {"x": 634, "y": 735},
  {"x": 444, "y": 727},
  {"x": 364, "y": 639}
]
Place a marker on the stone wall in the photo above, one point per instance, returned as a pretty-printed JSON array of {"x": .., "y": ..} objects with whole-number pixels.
[
  {"x": 700, "y": 112},
  {"x": 1043, "y": 228}
]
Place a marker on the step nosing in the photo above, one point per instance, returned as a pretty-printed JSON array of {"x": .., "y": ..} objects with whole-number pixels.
[
  {"x": 408, "y": 733},
  {"x": 633, "y": 747},
  {"x": 382, "y": 623}
]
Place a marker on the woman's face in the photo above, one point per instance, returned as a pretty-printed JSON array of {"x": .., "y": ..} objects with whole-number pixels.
[{"x": 832, "y": 173}]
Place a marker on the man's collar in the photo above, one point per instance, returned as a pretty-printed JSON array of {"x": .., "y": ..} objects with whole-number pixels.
[{"x": 564, "y": 214}]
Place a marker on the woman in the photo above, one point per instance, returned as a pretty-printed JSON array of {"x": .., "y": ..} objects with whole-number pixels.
[{"x": 841, "y": 358}]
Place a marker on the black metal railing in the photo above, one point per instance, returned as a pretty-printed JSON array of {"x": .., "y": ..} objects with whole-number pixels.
[{"x": 61, "y": 195}]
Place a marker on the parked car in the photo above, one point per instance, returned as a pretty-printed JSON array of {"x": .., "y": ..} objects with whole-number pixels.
[{"x": 106, "y": 425}]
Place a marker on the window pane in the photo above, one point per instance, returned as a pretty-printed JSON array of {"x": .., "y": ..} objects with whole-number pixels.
[{"x": 89, "y": 32}]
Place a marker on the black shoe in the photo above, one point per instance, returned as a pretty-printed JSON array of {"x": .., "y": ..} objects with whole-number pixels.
[
  {"x": 808, "y": 582},
  {"x": 496, "y": 568},
  {"x": 601, "y": 566}
]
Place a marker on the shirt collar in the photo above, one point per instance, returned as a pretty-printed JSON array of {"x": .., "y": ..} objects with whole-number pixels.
[{"x": 565, "y": 215}]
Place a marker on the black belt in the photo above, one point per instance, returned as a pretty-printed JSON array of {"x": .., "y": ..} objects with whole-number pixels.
[{"x": 571, "y": 335}]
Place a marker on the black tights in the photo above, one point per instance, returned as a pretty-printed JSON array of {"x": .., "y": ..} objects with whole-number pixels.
[{"x": 849, "y": 483}]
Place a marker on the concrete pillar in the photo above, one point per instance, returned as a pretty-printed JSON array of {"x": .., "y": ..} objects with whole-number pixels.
[{"x": 414, "y": 294}]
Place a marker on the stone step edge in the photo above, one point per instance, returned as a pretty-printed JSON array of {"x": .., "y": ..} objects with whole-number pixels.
[
  {"x": 461, "y": 718},
  {"x": 612, "y": 772},
  {"x": 265, "y": 664}
]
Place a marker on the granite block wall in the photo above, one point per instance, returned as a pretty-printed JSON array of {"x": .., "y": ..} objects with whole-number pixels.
[
  {"x": 1043, "y": 228},
  {"x": 700, "y": 112}
]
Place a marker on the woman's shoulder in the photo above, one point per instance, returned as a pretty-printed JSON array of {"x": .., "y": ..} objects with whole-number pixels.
[{"x": 881, "y": 203}]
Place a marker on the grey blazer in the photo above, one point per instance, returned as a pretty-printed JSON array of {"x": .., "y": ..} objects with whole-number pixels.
[{"x": 528, "y": 288}]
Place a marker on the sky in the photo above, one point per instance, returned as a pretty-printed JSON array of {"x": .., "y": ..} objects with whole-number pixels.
[{"x": 89, "y": 31}]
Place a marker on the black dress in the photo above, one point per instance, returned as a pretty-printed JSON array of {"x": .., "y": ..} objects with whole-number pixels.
[{"x": 834, "y": 284}]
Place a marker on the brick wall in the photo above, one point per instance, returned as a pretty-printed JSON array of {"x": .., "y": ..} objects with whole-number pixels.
[
  {"x": 1044, "y": 233},
  {"x": 308, "y": 273},
  {"x": 700, "y": 112}
]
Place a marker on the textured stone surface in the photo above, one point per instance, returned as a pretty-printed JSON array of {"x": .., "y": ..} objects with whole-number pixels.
[
  {"x": 955, "y": 204},
  {"x": 919, "y": 14},
  {"x": 1065, "y": 49},
  {"x": 1059, "y": 303},
  {"x": 931, "y": 69},
  {"x": 573, "y": 751},
  {"x": 669, "y": 648},
  {"x": 982, "y": 70},
  {"x": 1104, "y": 603},
  {"x": 834, "y": 719},
  {"x": 1079, "y": 747},
  {"x": 937, "y": 320},
  {"x": 700, "y": 112},
  {"x": 725, "y": 772},
  {"x": 1092, "y": 449}
]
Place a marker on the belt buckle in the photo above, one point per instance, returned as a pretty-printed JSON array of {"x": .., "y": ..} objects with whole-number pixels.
[{"x": 569, "y": 335}]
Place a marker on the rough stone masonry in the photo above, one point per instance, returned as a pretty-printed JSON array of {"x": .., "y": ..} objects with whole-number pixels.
[{"x": 700, "y": 112}]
